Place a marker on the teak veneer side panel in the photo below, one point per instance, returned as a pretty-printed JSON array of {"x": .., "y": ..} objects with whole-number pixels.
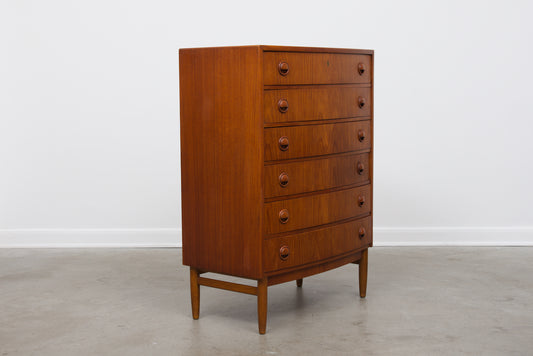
[{"x": 221, "y": 101}]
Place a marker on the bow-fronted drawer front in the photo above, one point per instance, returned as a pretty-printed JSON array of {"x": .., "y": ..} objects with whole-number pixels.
[
  {"x": 289, "y": 68},
  {"x": 317, "y": 103}
]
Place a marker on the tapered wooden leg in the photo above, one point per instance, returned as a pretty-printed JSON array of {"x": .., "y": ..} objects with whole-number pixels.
[
  {"x": 363, "y": 270},
  {"x": 299, "y": 282},
  {"x": 195, "y": 294},
  {"x": 262, "y": 304}
]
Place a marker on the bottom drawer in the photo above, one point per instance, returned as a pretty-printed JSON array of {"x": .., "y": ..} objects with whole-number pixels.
[{"x": 316, "y": 245}]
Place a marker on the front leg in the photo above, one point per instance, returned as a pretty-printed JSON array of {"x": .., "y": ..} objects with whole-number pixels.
[
  {"x": 195, "y": 294},
  {"x": 262, "y": 304},
  {"x": 363, "y": 271}
]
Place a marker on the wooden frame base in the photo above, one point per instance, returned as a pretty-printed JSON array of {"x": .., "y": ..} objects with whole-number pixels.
[{"x": 262, "y": 284}]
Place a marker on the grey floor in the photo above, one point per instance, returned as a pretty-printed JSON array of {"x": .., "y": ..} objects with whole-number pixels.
[{"x": 420, "y": 301}]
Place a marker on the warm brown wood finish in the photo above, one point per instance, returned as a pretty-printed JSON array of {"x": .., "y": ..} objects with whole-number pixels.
[
  {"x": 316, "y": 68},
  {"x": 235, "y": 287},
  {"x": 316, "y": 140},
  {"x": 276, "y": 164},
  {"x": 317, "y": 245},
  {"x": 317, "y": 103},
  {"x": 262, "y": 304},
  {"x": 221, "y": 142},
  {"x": 316, "y": 209},
  {"x": 300, "y": 272},
  {"x": 363, "y": 272},
  {"x": 269, "y": 48},
  {"x": 195, "y": 294},
  {"x": 317, "y": 174}
]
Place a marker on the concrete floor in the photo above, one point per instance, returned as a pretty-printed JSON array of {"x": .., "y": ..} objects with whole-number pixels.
[{"x": 420, "y": 301}]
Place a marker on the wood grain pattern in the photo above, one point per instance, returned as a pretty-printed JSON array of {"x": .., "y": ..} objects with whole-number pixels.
[
  {"x": 315, "y": 210},
  {"x": 317, "y": 103},
  {"x": 316, "y": 174},
  {"x": 316, "y": 68},
  {"x": 277, "y": 164},
  {"x": 262, "y": 304},
  {"x": 298, "y": 272},
  {"x": 316, "y": 140},
  {"x": 316, "y": 245},
  {"x": 222, "y": 141},
  {"x": 234, "y": 287},
  {"x": 195, "y": 293}
]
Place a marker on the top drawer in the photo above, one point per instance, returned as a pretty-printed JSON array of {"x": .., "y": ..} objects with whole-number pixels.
[{"x": 284, "y": 68}]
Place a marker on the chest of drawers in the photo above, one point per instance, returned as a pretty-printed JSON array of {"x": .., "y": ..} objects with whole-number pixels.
[{"x": 276, "y": 164}]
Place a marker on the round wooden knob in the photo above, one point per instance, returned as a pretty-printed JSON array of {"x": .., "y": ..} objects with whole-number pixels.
[
  {"x": 283, "y": 105},
  {"x": 284, "y": 143},
  {"x": 284, "y": 252},
  {"x": 361, "y": 135},
  {"x": 361, "y": 102},
  {"x": 360, "y": 168},
  {"x": 283, "y": 179},
  {"x": 362, "y": 232},
  {"x": 283, "y": 68},
  {"x": 283, "y": 216},
  {"x": 361, "y": 200},
  {"x": 361, "y": 68}
]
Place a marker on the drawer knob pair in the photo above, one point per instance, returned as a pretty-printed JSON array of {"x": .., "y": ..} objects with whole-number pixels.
[
  {"x": 362, "y": 232},
  {"x": 283, "y": 216},
  {"x": 284, "y": 252},
  {"x": 283, "y": 106},
  {"x": 283, "y": 68},
  {"x": 283, "y": 179},
  {"x": 361, "y": 200}
]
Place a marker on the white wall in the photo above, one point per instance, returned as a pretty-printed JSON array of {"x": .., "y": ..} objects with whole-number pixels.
[{"x": 89, "y": 150}]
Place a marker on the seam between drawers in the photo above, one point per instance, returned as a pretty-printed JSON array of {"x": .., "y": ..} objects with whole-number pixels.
[
  {"x": 306, "y": 158},
  {"x": 310, "y": 86},
  {"x": 315, "y": 192},
  {"x": 338, "y": 120},
  {"x": 316, "y": 158},
  {"x": 325, "y": 122}
]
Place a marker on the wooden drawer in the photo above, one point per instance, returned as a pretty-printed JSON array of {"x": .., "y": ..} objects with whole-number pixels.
[
  {"x": 314, "y": 210},
  {"x": 316, "y": 245},
  {"x": 318, "y": 103},
  {"x": 316, "y": 140},
  {"x": 283, "y": 68},
  {"x": 318, "y": 174}
]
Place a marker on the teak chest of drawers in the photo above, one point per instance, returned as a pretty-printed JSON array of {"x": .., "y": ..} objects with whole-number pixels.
[{"x": 276, "y": 164}]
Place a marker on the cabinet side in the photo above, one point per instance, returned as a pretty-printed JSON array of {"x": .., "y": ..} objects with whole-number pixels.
[
  {"x": 222, "y": 159},
  {"x": 372, "y": 151}
]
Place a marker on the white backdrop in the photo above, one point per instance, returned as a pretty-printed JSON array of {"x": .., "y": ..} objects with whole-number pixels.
[{"x": 89, "y": 150}]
